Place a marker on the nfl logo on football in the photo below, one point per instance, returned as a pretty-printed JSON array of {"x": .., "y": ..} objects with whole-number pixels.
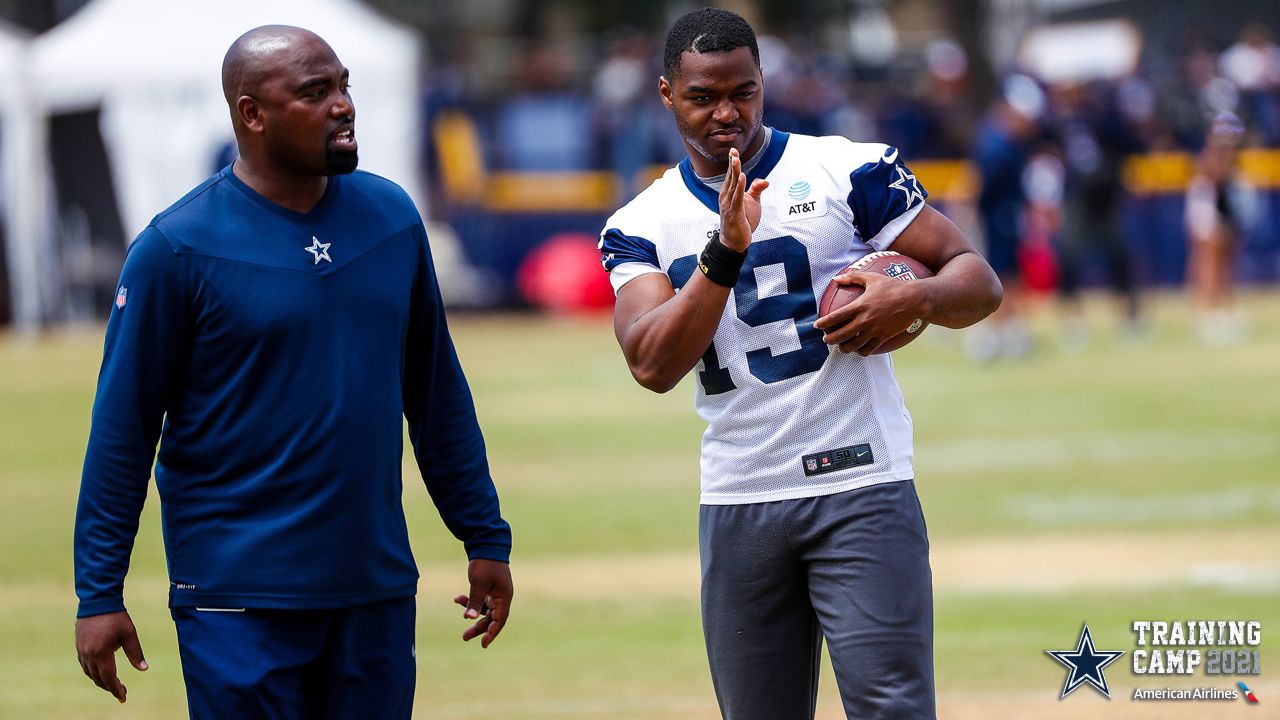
[{"x": 900, "y": 270}]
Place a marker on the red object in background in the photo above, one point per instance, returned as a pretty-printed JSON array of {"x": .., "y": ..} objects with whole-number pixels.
[
  {"x": 564, "y": 275},
  {"x": 1038, "y": 264}
]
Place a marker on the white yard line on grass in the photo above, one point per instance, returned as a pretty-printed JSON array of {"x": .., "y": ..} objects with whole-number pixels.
[{"x": 1229, "y": 559}]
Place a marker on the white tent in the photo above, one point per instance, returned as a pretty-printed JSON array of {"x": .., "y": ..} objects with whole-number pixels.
[
  {"x": 153, "y": 67},
  {"x": 15, "y": 185},
  {"x": 1081, "y": 52}
]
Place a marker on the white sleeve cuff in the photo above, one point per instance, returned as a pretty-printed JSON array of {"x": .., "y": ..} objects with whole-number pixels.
[
  {"x": 890, "y": 232},
  {"x": 626, "y": 272}
]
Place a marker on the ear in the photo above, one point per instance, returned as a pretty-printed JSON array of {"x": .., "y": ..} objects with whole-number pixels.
[
  {"x": 250, "y": 113},
  {"x": 666, "y": 92}
]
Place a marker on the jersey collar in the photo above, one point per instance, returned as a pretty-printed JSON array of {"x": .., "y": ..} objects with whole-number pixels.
[
  {"x": 330, "y": 192},
  {"x": 710, "y": 198}
]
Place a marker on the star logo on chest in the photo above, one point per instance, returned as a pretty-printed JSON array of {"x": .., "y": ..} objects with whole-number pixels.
[
  {"x": 908, "y": 184},
  {"x": 319, "y": 250}
]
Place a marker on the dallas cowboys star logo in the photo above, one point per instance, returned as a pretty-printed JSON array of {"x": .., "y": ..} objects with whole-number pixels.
[
  {"x": 1085, "y": 664},
  {"x": 319, "y": 250},
  {"x": 913, "y": 193}
]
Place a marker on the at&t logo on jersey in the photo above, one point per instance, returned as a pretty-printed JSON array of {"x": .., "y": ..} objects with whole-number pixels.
[{"x": 799, "y": 192}]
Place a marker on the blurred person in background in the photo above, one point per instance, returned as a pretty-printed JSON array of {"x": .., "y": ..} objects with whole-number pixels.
[
  {"x": 947, "y": 89},
  {"x": 1196, "y": 93},
  {"x": 273, "y": 330},
  {"x": 804, "y": 95},
  {"x": 810, "y": 526},
  {"x": 1218, "y": 208},
  {"x": 625, "y": 119},
  {"x": 1043, "y": 184},
  {"x": 535, "y": 123},
  {"x": 1094, "y": 141},
  {"x": 929, "y": 114},
  {"x": 1252, "y": 64},
  {"x": 1005, "y": 141},
  {"x": 1139, "y": 105}
]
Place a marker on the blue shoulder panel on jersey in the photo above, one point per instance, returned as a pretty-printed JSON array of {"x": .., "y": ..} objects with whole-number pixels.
[
  {"x": 617, "y": 248},
  {"x": 710, "y": 197},
  {"x": 881, "y": 191}
]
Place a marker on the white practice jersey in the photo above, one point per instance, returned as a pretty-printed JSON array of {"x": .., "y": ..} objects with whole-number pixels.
[{"x": 787, "y": 415}]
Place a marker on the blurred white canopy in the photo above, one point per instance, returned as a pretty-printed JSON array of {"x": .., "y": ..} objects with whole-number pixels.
[
  {"x": 154, "y": 69},
  {"x": 12, "y": 46},
  {"x": 12, "y": 42},
  {"x": 14, "y": 128},
  {"x": 1080, "y": 52}
]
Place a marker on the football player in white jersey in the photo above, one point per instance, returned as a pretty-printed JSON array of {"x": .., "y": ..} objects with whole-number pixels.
[{"x": 810, "y": 527}]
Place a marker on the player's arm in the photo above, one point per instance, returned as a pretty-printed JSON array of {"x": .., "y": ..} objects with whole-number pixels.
[
  {"x": 963, "y": 291},
  {"x": 663, "y": 334},
  {"x": 964, "y": 288},
  {"x": 451, "y": 455},
  {"x": 142, "y": 359}
]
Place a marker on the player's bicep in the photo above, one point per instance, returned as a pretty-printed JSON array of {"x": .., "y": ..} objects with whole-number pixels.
[
  {"x": 932, "y": 239},
  {"x": 637, "y": 298},
  {"x": 632, "y": 263}
]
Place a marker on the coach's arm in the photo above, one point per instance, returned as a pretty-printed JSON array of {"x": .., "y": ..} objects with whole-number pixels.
[{"x": 144, "y": 351}]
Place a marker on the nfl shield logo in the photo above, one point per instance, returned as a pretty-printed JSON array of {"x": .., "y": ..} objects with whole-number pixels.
[
  {"x": 811, "y": 464},
  {"x": 121, "y": 295},
  {"x": 900, "y": 270}
]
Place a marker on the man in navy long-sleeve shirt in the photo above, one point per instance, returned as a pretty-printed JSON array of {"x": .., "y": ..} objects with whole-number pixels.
[{"x": 270, "y": 330}]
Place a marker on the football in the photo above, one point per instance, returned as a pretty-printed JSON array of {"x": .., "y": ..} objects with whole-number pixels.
[{"x": 890, "y": 263}]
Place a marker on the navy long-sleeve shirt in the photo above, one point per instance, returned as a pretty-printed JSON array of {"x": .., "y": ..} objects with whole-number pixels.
[{"x": 273, "y": 354}]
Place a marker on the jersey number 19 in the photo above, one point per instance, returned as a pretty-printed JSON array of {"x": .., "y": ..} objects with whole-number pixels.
[{"x": 797, "y": 304}]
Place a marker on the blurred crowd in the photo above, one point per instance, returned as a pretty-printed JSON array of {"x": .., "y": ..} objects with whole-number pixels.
[
  {"x": 1049, "y": 156},
  {"x": 1160, "y": 169},
  {"x": 924, "y": 103}
]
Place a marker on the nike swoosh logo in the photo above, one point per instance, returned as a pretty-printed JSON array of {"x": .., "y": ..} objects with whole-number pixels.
[
  {"x": 892, "y": 157},
  {"x": 863, "y": 454}
]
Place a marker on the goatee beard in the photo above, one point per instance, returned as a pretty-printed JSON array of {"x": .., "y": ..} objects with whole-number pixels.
[{"x": 341, "y": 162}]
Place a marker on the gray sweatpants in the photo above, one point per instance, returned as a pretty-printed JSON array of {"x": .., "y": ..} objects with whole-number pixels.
[{"x": 853, "y": 568}]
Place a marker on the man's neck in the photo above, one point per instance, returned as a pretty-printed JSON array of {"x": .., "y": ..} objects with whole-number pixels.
[
  {"x": 299, "y": 193},
  {"x": 705, "y": 167},
  {"x": 748, "y": 163}
]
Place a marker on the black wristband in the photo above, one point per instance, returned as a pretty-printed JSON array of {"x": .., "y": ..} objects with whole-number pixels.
[{"x": 721, "y": 264}]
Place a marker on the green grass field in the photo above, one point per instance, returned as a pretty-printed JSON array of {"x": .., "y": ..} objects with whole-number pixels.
[{"x": 1137, "y": 480}]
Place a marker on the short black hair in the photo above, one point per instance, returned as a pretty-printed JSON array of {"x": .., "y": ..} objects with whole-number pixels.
[{"x": 707, "y": 30}]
